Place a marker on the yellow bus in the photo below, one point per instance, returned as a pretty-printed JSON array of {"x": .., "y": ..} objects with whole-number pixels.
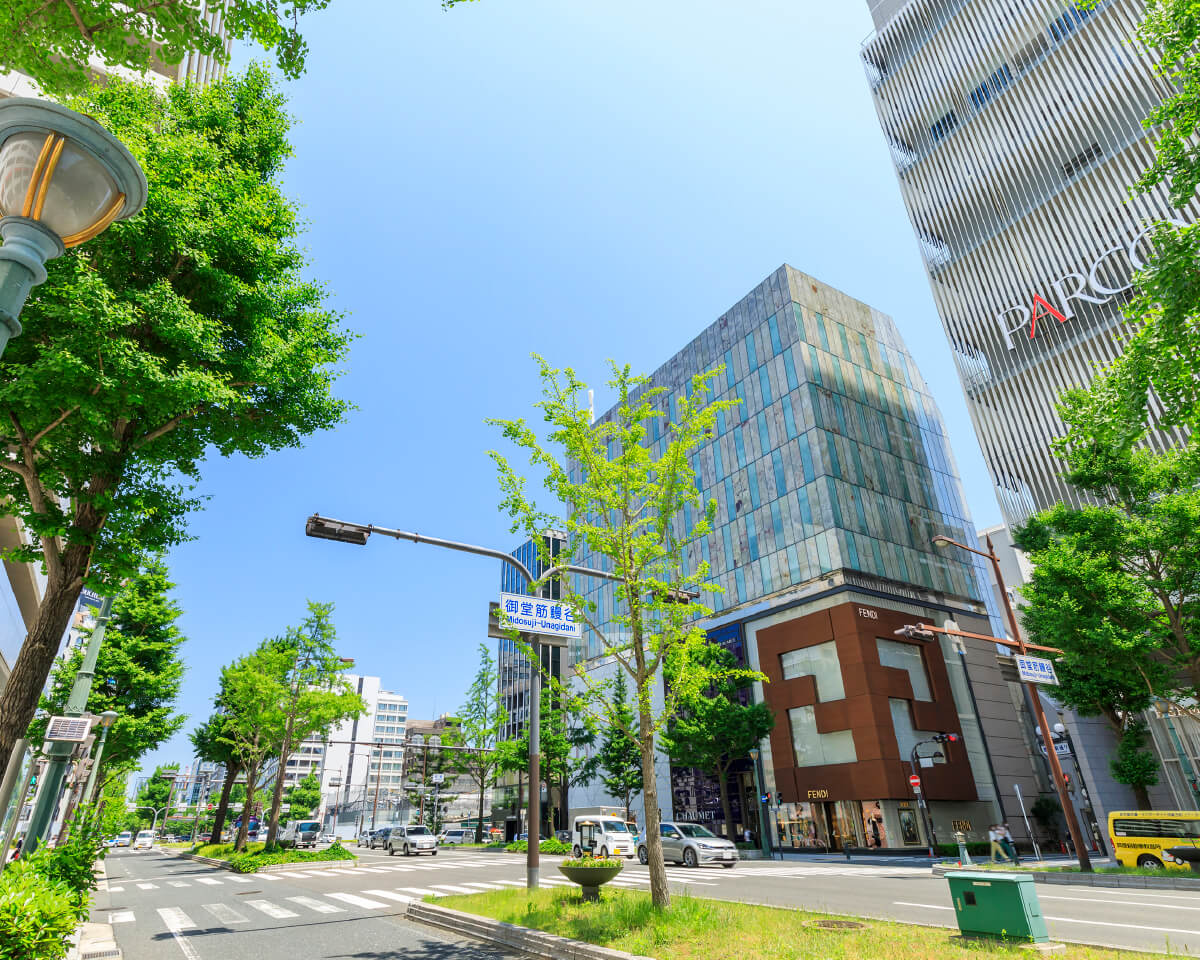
[{"x": 1145, "y": 838}]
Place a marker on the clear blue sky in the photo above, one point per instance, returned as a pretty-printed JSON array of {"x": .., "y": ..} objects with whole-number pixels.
[{"x": 585, "y": 179}]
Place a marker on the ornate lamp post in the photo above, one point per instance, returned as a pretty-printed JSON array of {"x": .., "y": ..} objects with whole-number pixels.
[
  {"x": 63, "y": 179},
  {"x": 107, "y": 718}
]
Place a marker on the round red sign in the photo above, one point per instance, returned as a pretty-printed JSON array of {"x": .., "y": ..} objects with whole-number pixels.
[{"x": 914, "y": 780}]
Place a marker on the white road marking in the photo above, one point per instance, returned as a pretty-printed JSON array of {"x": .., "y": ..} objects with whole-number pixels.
[
  {"x": 178, "y": 883},
  {"x": 294, "y": 876},
  {"x": 452, "y": 888},
  {"x": 485, "y": 886},
  {"x": 552, "y": 881},
  {"x": 512, "y": 883},
  {"x": 929, "y": 906},
  {"x": 421, "y": 891},
  {"x": 320, "y": 906},
  {"x": 147, "y": 886},
  {"x": 236, "y": 879},
  {"x": 265, "y": 876},
  {"x": 225, "y": 913},
  {"x": 208, "y": 880},
  {"x": 1125, "y": 926},
  {"x": 1143, "y": 903},
  {"x": 356, "y": 901},
  {"x": 388, "y": 895},
  {"x": 272, "y": 910},
  {"x": 116, "y": 889},
  {"x": 177, "y": 921},
  {"x": 121, "y": 916},
  {"x": 348, "y": 873}
]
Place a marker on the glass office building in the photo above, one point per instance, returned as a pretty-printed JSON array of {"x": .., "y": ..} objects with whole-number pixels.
[{"x": 835, "y": 458}]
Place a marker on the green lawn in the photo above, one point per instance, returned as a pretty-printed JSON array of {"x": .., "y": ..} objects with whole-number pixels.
[
  {"x": 1173, "y": 873},
  {"x": 695, "y": 929}
]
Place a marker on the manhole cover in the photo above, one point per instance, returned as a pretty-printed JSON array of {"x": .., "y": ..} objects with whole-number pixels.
[{"x": 835, "y": 924}]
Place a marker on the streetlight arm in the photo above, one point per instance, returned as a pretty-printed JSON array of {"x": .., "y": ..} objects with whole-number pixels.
[
  {"x": 930, "y": 628},
  {"x": 961, "y": 546}
]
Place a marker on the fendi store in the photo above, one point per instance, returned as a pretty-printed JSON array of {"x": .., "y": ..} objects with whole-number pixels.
[{"x": 851, "y": 699}]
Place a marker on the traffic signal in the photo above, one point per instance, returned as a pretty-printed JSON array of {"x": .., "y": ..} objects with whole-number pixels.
[
  {"x": 1069, "y": 784},
  {"x": 766, "y": 798},
  {"x": 946, "y": 738}
]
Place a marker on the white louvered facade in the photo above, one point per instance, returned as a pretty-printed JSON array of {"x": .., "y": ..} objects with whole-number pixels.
[{"x": 1015, "y": 129}]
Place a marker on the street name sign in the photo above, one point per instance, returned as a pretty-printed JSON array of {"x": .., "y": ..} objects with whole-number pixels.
[
  {"x": 538, "y": 615},
  {"x": 1060, "y": 747},
  {"x": 1036, "y": 670}
]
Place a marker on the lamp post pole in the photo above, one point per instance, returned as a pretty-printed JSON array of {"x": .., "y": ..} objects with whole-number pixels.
[
  {"x": 764, "y": 828},
  {"x": 926, "y": 818},
  {"x": 1085, "y": 862},
  {"x": 106, "y": 721}
]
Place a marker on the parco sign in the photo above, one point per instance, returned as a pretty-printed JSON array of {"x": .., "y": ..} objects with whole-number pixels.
[{"x": 1089, "y": 287}]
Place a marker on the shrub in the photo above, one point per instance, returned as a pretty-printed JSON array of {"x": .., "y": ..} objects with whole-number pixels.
[
  {"x": 253, "y": 862},
  {"x": 37, "y": 915},
  {"x": 593, "y": 862},
  {"x": 976, "y": 848},
  {"x": 73, "y": 863},
  {"x": 546, "y": 846}
]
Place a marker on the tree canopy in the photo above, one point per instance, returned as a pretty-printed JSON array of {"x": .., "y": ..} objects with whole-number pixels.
[
  {"x": 480, "y": 720},
  {"x": 188, "y": 329},
  {"x": 618, "y": 757}
]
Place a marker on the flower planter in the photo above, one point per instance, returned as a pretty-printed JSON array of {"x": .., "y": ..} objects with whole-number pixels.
[{"x": 590, "y": 878}]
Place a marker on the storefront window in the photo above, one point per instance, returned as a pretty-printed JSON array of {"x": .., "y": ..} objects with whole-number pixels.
[
  {"x": 799, "y": 826},
  {"x": 910, "y": 834},
  {"x": 815, "y": 749},
  {"x": 873, "y": 827},
  {"x": 820, "y": 662}
]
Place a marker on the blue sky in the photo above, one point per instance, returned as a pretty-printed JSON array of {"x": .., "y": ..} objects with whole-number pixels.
[{"x": 584, "y": 179}]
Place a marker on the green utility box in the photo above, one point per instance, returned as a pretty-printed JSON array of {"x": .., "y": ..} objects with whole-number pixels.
[{"x": 997, "y": 905}]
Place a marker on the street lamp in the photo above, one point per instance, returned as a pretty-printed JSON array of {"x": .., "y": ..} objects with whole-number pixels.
[
  {"x": 63, "y": 180},
  {"x": 107, "y": 719},
  {"x": 1085, "y": 862}
]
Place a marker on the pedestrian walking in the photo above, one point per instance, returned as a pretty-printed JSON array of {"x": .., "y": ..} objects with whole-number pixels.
[
  {"x": 1006, "y": 841},
  {"x": 996, "y": 846}
]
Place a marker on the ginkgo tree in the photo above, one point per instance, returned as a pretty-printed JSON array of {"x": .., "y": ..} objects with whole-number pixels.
[{"x": 618, "y": 501}]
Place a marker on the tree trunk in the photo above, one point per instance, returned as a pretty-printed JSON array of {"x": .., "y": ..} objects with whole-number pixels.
[
  {"x": 726, "y": 807},
  {"x": 19, "y": 701},
  {"x": 239, "y": 843},
  {"x": 660, "y": 893},
  {"x": 1142, "y": 798},
  {"x": 482, "y": 789},
  {"x": 277, "y": 794},
  {"x": 231, "y": 772}
]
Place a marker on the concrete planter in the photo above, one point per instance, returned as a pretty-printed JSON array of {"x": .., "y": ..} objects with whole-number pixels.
[{"x": 590, "y": 879}]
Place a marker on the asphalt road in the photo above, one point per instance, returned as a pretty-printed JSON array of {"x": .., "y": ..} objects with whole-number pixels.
[
  {"x": 167, "y": 908},
  {"x": 1137, "y": 919}
]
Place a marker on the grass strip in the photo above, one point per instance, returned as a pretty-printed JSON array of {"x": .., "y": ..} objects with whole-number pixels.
[
  {"x": 697, "y": 929},
  {"x": 254, "y": 857}
]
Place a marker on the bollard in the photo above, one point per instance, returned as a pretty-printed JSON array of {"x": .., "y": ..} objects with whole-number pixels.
[{"x": 961, "y": 839}]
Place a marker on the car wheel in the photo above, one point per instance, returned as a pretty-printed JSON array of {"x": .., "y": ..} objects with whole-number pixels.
[
  {"x": 643, "y": 856},
  {"x": 689, "y": 857},
  {"x": 434, "y": 852},
  {"x": 576, "y": 852},
  {"x": 407, "y": 851},
  {"x": 1147, "y": 862},
  {"x": 391, "y": 850},
  {"x": 727, "y": 866},
  {"x": 604, "y": 853}
]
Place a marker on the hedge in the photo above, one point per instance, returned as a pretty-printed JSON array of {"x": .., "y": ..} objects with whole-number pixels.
[
  {"x": 254, "y": 858},
  {"x": 546, "y": 846},
  {"x": 37, "y": 914}
]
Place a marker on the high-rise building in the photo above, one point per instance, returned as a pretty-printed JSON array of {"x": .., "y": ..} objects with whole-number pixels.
[
  {"x": 1015, "y": 129},
  {"x": 832, "y": 476}
]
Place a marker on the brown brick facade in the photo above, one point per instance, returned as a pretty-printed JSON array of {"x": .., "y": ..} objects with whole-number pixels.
[{"x": 880, "y": 772}]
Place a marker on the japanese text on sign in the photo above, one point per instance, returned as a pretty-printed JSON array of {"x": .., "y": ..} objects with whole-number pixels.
[
  {"x": 537, "y": 615},
  {"x": 1036, "y": 670}
]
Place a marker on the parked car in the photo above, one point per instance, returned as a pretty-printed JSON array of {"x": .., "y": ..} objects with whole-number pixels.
[
  {"x": 562, "y": 836},
  {"x": 124, "y": 839},
  {"x": 692, "y": 845},
  {"x": 144, "y": 840},
  {"x": 300, "y": 833},
  {"x": 603, "y": 836},
  {"x": 379, "y": 838},
  {"x": 454, "y": 837},
  {"x": 363, "y": 839},
  {"x": 411, "y": 840}
]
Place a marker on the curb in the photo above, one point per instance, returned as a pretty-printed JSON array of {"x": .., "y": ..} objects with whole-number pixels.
[
  {"x": 94, "y": 941},
  {"x": 1060, "y": 878},
  {"x": 269, "y": 868},
  {"x": 532, "y": 942}
]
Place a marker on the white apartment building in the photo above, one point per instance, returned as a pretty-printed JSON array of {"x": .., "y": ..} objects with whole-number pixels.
[{"x": 1015, "y": 130}]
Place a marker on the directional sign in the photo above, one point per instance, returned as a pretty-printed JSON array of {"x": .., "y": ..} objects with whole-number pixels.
[
  {"x": 1060, "y": 747},
  {"x": 438, "y": 778},
  {"x": 915, "y": 782},
  {"x": 538, "y": 615},
  {"x": 1036, "y": 670}
]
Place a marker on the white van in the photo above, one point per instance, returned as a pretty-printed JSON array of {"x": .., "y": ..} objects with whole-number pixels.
[
  {"x": 300, "y": 833},
  {"x": 601, "y": 836}
]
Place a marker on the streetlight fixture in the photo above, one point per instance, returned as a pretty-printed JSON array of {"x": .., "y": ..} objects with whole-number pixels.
[
  {"x": 107, "y": 718},
  {"x": 63, "y": 180},
  {"x": 1085, "y": 862}
]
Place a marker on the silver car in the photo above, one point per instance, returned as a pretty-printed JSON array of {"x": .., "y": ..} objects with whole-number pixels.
[
  {"x": 692, "y": 844},
  {"x": 411, "y": 840}
]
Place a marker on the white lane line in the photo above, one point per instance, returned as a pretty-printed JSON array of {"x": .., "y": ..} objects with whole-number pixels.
[
  {"x": 356, "y": 901},
  {"x": 348, "y": 873},
  {"x": 1141, "y": 903},
  {"x": 294, "y": 876},
  {"x": 208, "y": 880},
  {"x": 421, "y": 891},
  {"x": 929, "y": 906},
  {"x": 272, "y": 910},
  {"x": 225, "y": 913},
  {"x": 388, "y": 895},
  {"x": 320, "y": 906},
  {"x": 177, "y": 921},
  {"x": 178, "y": 883},
  {"x": 512, "y": 883},
  {"x": 452, "y": 888},
  {"x": 147, "y": 886},
  {"x": 484, "y": 886},
  {"x": 237, "y": 879},
  {"x": 371, "y": 869},
  {"x": 1125, "y": 926},
  {"x": 398, "y": 869},
  {"x": 121, "y": 916},
  {"x": 265, "y": 876},
  {"x": 116, "y": 889},
  {"x": 551, "y": 881}
]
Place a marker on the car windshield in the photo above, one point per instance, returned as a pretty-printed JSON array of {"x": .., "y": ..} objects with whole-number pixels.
[
  {"x": 614, "y": 826},
  {"x": 418, "y": 832},
  {"x": 694, "y": 830},
  {"x": 313, "y": 825},
  {"x": 145, "y": 833}
]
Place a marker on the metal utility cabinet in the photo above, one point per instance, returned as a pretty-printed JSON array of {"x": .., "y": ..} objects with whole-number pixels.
[{"x": 997, "y": 905}]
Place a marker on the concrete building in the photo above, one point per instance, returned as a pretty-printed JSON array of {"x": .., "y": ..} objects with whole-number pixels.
[
  {"x": 831, "y": 478},
  {"x": 424, "y": 759},
  {"x": 1015, "y": 129}
]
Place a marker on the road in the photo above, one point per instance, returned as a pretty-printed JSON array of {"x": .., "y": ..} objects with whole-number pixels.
[{"x": 374, "y": 891}]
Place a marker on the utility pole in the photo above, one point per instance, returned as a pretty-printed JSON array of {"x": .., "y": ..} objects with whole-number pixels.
[{"x": 59, "y": 753}]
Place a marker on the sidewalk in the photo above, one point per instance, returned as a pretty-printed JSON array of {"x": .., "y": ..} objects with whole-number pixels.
[{"x": 95, "y": 941}]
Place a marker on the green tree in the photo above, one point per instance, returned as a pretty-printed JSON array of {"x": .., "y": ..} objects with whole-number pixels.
[
  {"x": 619, "y": 759},
  {"x": 1133, "y": 764},
  {"x": 157, "y": 793},
  {"x": 211, "y": 744},
  {"x": 628, "y": 506},
  {"x": 317, "y": 695},
  {"x": 138, "y": 671},
  {"x": 304, "y": 797},
  {"x": 53, "y": 40},
  {"x": 480, "y": 720},
  {"x": 431, "y": 798},
  {"x": 719, "y": 726},
  {"x": 186, "y": 330}
]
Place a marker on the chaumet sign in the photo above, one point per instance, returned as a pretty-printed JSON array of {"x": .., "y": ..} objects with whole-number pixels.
[{"x": 1075, "y": 286}]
